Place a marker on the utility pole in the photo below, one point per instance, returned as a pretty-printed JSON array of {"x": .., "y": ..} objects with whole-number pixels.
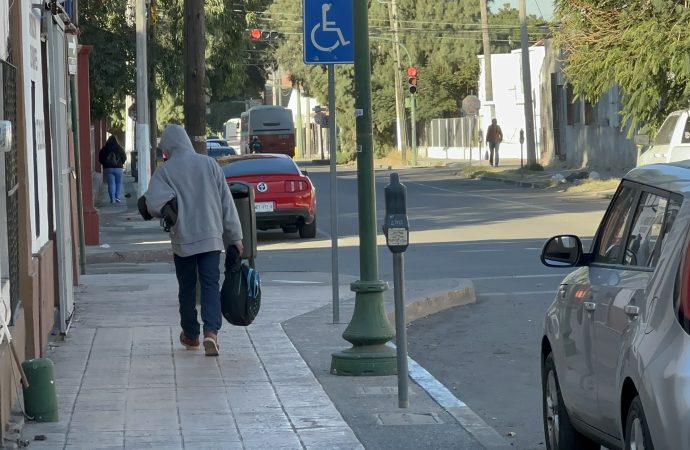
[
  {"x": 369, "y": 329},
  {"x": 527, "y": 87},
  {"x": 142, "y": 129},
  {"x": 401, "y": 132},
  {"x": 486, "y": 44},
  {"x": 195, "y": 73}
]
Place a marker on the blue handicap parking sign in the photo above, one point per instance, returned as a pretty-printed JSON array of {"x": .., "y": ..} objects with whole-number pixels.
[{"x": 328, "y": 32}]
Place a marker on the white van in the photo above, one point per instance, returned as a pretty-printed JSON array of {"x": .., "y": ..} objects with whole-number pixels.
[{"x": 672, "y": 142}]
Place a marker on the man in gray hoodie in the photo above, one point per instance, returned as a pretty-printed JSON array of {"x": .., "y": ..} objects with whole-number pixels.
[{"x": 207, "y": 222}]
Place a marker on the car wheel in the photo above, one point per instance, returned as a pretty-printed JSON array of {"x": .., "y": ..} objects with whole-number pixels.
[
  {"x": 308, "y": 231},
  {"x": 558, "y": 430},
  {"x": 637, "y": 435}
]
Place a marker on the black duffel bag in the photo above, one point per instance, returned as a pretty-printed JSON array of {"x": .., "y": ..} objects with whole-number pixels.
[{"x": 240, "y": 296}]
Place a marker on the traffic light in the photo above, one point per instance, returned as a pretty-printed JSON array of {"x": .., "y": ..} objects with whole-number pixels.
[
  {"x": 258, "y": 33},
  {"x": 412, "y": 80}
]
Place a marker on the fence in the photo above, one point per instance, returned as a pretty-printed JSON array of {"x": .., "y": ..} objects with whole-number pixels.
[
  {"x": 455, "y": 132},
  {"x": 9, "y": 112}
]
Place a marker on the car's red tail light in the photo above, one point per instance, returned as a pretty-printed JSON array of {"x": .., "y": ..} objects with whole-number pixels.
[
  {"x": 296, "y": 186},
  {"x": 684, "y": 297}
]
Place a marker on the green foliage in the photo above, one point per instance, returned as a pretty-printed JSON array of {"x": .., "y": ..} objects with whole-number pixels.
[
  {"x": 640, "y": 46},
  {"x": 504, "y": 29},
  {"x": 229, "y": 75},
  {"x": 345, "y": 157},
  {"x": 111, "y": 70}
]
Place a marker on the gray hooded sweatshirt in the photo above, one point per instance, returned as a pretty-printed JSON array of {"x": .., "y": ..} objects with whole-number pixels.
[{"x": 207, "y": 219}]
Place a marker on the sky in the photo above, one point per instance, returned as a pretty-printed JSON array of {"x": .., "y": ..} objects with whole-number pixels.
[{"x": 542, "y": 8}]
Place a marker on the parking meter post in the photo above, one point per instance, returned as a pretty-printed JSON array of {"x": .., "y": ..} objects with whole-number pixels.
[
  {"x": 369, "y": 329},
  {"x": 334, "y": 194},
  {"x": 400, "y": 330},
  {"x": 397, "y": 231}
]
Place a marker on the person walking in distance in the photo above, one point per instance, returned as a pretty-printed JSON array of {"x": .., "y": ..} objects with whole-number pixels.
[
  {"x": 494, "y": 136},
  {"x": 112, "y": 157},
  {"x": 207, "y": 222}
]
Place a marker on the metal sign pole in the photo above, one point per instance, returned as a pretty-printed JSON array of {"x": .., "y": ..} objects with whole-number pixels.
[
  {"x": 400, "y": 330},
  {"x": 334, "y": 193}
]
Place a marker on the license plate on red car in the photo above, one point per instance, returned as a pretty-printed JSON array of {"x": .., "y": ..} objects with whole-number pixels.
[{"x": 263, "y": 207}]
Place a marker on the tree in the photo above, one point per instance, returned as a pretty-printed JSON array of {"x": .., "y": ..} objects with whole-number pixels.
[
  {"x": 111, "y": 71},
  {"x": 108, "y": 26},
  {"x": 639, "y": 46}
]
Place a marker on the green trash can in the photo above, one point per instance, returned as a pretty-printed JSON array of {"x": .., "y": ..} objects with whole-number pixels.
[{"x": 40, "y": 398}]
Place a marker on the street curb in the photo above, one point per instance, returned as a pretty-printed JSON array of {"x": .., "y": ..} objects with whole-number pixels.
[
  {"x": 522, "y": 183},
  {"x": 431, "y": 304},
  {"x": 133, "y": 256}
]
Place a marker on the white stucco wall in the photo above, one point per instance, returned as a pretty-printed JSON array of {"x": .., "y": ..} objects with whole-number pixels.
[
  {"x": 4, "y": 27},
  {"x": 508, "y": 97},
  {"x": 31, "y": 29}
]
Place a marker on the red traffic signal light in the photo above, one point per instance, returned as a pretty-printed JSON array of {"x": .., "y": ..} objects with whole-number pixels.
[
  {"x": 255, "y": 33},
  {"x": 412, "y": 71}
]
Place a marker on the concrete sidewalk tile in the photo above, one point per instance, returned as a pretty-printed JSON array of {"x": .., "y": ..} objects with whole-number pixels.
[
  {"x": 50, "y": 441},
  {"x": 332, "y": 438},
  {"x": 310, "y": 418},
  {"x": 98, "y": 420},
  {"x": 152, "y": 420},
  {"x": 275, "y": 439},
  {"x": 225, "y": 438},
  {"x": 101, "y": 400},
  {"x": 217, "y": 402},
  {"x": 136, "y": 440},
  {"x": 207, "y": 420},
  {"x": 149, "y": 396},
  {"x": 295, "y": 396},
  {"x": 267, "y": 418},
  {"x": 83, "y": 439}
]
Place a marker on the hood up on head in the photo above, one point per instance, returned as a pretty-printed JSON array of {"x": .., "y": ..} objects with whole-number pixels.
[{"x": 174, "y": 140}]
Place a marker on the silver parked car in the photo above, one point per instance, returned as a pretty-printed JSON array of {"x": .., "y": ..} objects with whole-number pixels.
[{"x": 616, "y": 347}]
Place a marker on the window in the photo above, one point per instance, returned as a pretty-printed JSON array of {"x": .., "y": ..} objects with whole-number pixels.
[
  {"x": 633, "y": 231},
  {"x": 663, "y": 137},
  {"x": 612, "y": 232},
  {"x": 645, "y": 231},
  {"x": 686, "y": 133},
  {"x": 260, "y": 166}
]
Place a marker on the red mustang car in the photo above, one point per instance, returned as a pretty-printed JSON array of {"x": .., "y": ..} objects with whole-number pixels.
[{"x": 284, "y": 196}]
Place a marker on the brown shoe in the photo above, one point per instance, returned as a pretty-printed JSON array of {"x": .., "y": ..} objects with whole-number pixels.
[
  {"x": 211, "y": 343},
  {"x": 189, "y": 343}
]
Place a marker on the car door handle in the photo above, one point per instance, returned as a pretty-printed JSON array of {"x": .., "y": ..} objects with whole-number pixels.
[
  {"x": 632, "y": 311},
  {"x": 590, "y": 306}
]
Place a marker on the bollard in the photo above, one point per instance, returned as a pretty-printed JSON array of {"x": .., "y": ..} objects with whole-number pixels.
[
  {"x": 397, "y": 232},
  {"x": 40, "y": 398}
]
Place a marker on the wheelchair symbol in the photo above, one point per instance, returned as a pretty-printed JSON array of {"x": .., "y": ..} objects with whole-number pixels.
[{"x": 327, "y": 26}]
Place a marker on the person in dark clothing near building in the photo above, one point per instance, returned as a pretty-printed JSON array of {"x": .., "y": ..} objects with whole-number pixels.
[
  {"x": 494, "y": 136},
  {"x": 112, "y": 157}
]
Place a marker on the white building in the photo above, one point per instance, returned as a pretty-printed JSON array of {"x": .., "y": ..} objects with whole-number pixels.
[{"x": 508, "y": 105}]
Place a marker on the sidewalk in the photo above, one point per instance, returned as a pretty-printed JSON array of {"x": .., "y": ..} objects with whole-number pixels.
[{"x": 124, "y": 381}]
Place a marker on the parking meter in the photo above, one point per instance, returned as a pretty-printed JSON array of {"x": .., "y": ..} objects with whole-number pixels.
[
  {"x": 522, "y": 136},
  {"x": 522, "y": 140},
  {"x": 397, "y": 231},
  {"x": 396, "y": 227}
]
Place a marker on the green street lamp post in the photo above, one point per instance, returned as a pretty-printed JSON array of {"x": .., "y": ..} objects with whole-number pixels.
[{"x": 369, "y": 329}]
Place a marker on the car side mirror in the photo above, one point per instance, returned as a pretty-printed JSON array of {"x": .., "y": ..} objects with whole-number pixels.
[
  {"x": 641, "y": 139},
  {"x": 562, "y": 251},
  {"x": 305, "y": 173}
]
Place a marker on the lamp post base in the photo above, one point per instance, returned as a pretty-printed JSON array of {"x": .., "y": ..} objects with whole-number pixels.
[{"x": 368, "y": 360}]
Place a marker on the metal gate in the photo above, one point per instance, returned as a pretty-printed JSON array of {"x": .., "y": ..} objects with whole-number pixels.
[{"x": 9, "y": 112}]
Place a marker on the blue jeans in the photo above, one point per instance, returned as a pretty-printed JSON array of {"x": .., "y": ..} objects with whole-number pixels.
[
  {"x": 115, "y": 184},
  {"x": 208, "y": 267}
]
